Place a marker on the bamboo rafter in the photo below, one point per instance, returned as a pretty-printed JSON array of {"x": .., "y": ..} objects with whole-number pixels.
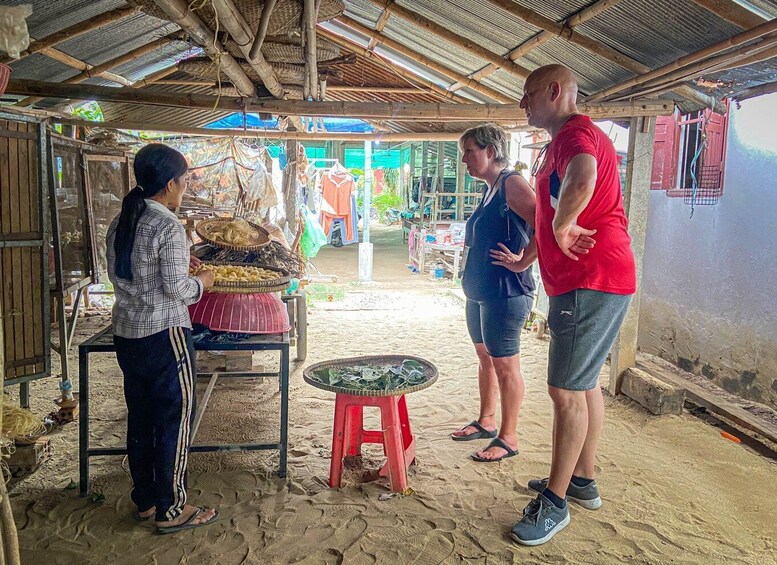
[
  {"x": 731, "y": 12},
  {"x": 424, "y": 61}
]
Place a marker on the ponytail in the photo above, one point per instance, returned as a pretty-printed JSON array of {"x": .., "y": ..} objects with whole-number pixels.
[
  {"x": 132, "y": 208},
  {"x": 155, "y": 166}
]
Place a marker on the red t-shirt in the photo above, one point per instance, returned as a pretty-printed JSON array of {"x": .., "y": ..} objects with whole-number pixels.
[{"x": 609, "y": 267}]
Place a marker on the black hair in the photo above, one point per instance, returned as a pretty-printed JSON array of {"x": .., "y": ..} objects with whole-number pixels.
[{"x": 156, "y": 165}]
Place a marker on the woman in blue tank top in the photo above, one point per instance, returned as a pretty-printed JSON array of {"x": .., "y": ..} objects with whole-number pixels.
[{"x": 499, "y": 232}]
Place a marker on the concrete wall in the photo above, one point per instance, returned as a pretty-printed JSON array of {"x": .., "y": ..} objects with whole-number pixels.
[{"x": 709, "y": 292}]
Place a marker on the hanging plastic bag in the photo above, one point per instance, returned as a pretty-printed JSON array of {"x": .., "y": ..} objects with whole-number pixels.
[
  {"x": 313, "y": 238},
  {"x": 14, "y": 37}
]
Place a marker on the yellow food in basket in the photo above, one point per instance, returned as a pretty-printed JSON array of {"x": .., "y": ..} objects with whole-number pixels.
[
  {"x": 239, "y": 273},
  {"x": 236, "y": 232}
]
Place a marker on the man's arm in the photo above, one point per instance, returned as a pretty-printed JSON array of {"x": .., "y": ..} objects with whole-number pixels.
[{"x": 575, "y": 194}]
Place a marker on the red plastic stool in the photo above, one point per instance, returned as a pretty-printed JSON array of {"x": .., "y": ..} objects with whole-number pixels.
[{"x": 349, "y": 435}]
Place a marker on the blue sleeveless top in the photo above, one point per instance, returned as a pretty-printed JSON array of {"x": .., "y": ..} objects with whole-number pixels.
[{"x": 489, "y": 225}]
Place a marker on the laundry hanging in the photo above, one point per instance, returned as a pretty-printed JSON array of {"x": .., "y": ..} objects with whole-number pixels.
[{"x": 337, "y": 186}]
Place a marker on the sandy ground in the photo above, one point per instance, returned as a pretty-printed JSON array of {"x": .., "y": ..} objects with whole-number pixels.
[{"x": 674, "y": 490}]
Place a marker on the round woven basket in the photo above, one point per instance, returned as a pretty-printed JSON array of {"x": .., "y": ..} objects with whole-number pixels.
[
  {"x": 286, "y": 16},
  {"x": 205, "y": 68},
  {"x": 206, "y": 227},
  {"x": 430, "y": 372},
  {"x": 288, "y": 53},
  {"x": 282, "y": 282}
]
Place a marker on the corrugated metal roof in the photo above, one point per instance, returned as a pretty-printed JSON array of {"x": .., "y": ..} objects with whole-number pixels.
[{"x": 653, "y": 32}]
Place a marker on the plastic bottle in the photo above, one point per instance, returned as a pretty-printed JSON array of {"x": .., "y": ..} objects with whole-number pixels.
[{"x": 66, "y": 387}]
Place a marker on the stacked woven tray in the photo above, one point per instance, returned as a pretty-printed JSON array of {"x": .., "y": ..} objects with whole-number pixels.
[
  {"x": 207, "y": 230},
  {"x": 279, "y": 283}
]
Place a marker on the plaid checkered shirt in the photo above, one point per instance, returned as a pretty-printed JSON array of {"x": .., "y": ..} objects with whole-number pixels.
[{"x": 161, "y": 288}]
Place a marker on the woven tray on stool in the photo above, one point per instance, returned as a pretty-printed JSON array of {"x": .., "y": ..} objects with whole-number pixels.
[{"x": 430, "y": 372}]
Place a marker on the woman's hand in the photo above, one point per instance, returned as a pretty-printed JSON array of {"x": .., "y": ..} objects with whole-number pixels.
[
  {"x": 194, "y": 263},
  {"x": 207, "y": 277},
  {"x": 503, "y": 257}
]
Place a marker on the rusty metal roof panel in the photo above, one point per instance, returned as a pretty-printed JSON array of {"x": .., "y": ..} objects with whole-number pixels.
[
  {"x": 656, "y": 32},
  {"x": 52, "y": 16}
]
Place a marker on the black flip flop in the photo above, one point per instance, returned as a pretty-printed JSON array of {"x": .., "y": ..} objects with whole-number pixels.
[
  {"x": 138, "y": 518},
  {"x": 189, "y": 524},
  {"x": 496, "y": 442},
  {"x": 482, "y": 433}
]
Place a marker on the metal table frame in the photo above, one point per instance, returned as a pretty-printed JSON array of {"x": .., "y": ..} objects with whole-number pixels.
[{"x": 102, "y": 342}]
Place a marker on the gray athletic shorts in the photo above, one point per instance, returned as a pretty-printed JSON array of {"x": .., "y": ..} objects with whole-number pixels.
[{"x": 583, "y": 326}]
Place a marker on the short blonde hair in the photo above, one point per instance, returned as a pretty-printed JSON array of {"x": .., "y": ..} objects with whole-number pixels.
[{"x": 489, "y": 135}]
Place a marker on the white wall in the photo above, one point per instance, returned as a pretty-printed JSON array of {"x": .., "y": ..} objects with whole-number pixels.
[{"x": 709, "y": 291}]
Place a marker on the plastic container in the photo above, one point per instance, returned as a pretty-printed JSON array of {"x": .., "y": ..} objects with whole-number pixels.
[{"x": 439, "y": 273}]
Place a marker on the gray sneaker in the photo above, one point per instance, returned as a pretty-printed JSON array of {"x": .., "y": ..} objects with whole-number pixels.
[
  {"x": 541, "y": 521},
  {"x": 587, "y": 496}
]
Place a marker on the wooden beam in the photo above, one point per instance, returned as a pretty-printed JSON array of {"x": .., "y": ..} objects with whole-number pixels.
[
  {"x": 639, "y": 163},
  {"x": 510, "y": 113},
  {"x": 261, "y": 31},
  {"x": 74, "y": 31},
  {"x": 425, "y": 61},
  {"x": 97, "y": 70},
  {"x": 411, "y": 77},
  {"x": 732, "y": 12},
  {"x": 178, "y": 11},
  {"x": 464, "y": 43},
  {"x": 545, "y": 36},
  {"x": 383, "y": 89},
  {"x": 696, "y": 394},
  {"x": 700, "y": 55}
]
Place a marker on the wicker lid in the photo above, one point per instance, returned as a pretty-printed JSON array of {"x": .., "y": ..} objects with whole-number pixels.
[{"x": 429, "y": 369}]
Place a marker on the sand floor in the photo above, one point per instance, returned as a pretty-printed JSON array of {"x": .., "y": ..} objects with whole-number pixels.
[{"x": 674, "y": 490}]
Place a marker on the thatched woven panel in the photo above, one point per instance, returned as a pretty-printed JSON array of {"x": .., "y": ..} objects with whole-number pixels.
[{"x": 286, "y": 16}]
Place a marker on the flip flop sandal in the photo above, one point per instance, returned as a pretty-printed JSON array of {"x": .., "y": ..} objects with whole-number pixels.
[
  {"x": 496, "y": 442},
  {"x": 138, "y": 518},
  {"x": 189, "y": 524},
  {"x": 482, "y": 433}
]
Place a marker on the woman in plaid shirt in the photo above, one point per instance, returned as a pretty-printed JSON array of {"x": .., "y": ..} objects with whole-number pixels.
[{"x": 148, "y": 264}]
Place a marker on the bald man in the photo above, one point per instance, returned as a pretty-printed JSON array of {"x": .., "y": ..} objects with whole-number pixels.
[{"x": 588, "y": 270}]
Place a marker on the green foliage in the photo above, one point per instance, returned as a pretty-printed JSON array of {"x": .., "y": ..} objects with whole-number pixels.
[
  {"x": 391, "y": 180},
  {"x": 386, "y": 200},
  {"x": 90, "y": 111}
]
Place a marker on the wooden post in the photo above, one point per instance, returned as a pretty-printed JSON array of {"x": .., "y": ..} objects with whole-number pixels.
[
  {"x": 290, "y": 185},
  {"x": 309, "y": 16},
  {"x": 440, "y": 166},
  {"x": 635, "y": 201}
]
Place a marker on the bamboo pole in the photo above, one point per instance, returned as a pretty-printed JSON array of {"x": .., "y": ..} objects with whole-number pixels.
[
  {"x": 154, "y": 77},
  {"x": 97, "y": 70},
  {"x": 370, "y": 110},
  {"x": 545, "y": 36},
  {"x": 74, "y": 31},
  {"x": 379, "y": 25},
  {"x": 425, "y": 61},
  {"x": 731, "y": 12},
  {"x": 411, "y": 77},
  {"x": 733, "y": 41},
  {"x": 70, "y": 61},
  {"x": 234, "y": 22},
  {"x": 310, "y": 16},
  {"x": 458, "y": 40},
  {"x": 261, "y": 31},
  {"x": 178, "y": 11}
]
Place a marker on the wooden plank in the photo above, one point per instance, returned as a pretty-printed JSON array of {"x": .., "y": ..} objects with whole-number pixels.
[
  {"x": 24, "y": 275},
  {"x": 33, "y": 150},
  {"x": 5, "y": 205},
  {"x": 13, "y": 181},
  {"x": 707, "y": 399},
  {"x": 18, "y": 306},
  {"x": 10, "y": 306},
  {"x": 16, "y": 134}
]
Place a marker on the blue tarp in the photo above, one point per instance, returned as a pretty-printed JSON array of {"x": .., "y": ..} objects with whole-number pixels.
[{"x": 339, "y": 125}]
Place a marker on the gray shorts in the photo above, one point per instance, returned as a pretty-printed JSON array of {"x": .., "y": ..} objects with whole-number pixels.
[{"x": 583, "y": 326}]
